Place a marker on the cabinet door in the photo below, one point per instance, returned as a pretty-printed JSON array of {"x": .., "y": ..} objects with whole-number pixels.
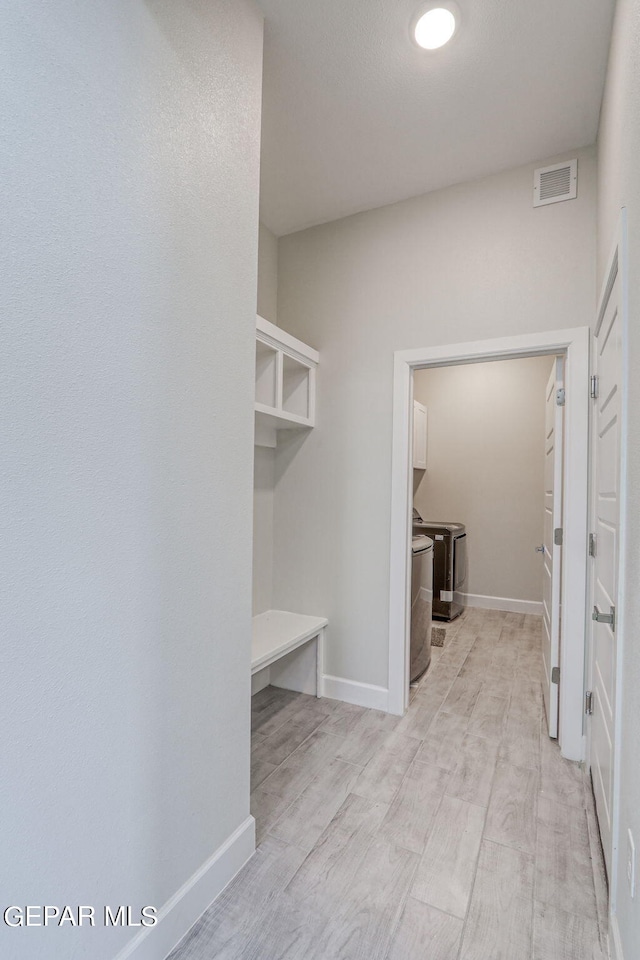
[{"x": 419, "y": 436}]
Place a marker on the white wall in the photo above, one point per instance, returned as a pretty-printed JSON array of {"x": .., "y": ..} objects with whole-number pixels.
[
  {"x": 263, "y": 501},
  {"x": 472, "y": 261},
  {"x": 268, "y": 274},
  {"x": 129, "y": 172},
  {"x": 486, "y": 467},
  {"x": 619, "y": 185},
  {"x": 264, "y": 463}
]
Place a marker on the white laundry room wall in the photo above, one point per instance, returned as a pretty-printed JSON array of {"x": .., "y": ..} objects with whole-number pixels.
[
  {"x": 129, "y": 169},
  {"x": 485, "y": 468},
  {"x": 468, "y": 262}
]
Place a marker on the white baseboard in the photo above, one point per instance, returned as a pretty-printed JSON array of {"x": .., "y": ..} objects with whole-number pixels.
[
  {"x": 260, "y": 680},
  {"x": 351, "y": 691},
  {"x": 179, "y": 914},
  {"x": 615, "y": 943},
  {"x": 503, "y": 603}
]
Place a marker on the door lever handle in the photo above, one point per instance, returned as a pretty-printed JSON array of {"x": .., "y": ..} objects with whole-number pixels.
[
  {"x": 604, "y": 617},
  {"x": 540, "y": 549}
]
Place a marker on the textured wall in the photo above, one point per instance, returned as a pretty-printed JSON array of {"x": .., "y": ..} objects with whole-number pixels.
[
  {"x": 263, "y": 499},
  {"x": 473, "y": 261},
  {"x": 486, "y": 467},
  {"x": 129, "y": 178},
  {"x": 618, "y": 186},
  {"x": 264, "y": 463},
  {"x": 268, "y": 274}
]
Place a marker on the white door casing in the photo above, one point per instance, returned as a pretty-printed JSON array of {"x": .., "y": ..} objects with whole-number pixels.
[
  {"x": 552, "y": 550},
  {"x": 604, "y": 662},
  {"x": 574, "y": 343}
]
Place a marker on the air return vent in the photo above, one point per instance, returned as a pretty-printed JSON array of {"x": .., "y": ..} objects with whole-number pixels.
[{"x": 555, "y": 183}]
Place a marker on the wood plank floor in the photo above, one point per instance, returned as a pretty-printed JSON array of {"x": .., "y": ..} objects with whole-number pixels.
[{"x": 457, "y": 832}]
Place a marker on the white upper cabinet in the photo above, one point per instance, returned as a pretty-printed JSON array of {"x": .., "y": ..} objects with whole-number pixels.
[
  {"x": 285, "y": 383},
  {"x": 419, "y": 436}
]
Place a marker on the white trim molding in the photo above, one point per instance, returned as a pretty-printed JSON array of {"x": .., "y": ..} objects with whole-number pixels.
[
  {"x": 352, "y": 691},
  {"x": 260, "y": 680},
  {"x": 615, "y": 941},
  {"x": 573, "y": 343},
  {"x": 622, "y": 257},
  {"x": 179, "y": 914},
  {"x": 509, "y": 604},
  {"x": 617, "y": 266}
]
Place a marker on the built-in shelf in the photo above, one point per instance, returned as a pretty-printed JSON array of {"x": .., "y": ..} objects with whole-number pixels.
[
  {"x": 296, "y": 382},
  {"x": 287, "y": 651},
  {"x": 266, "y": 373},
  {"x": 278, "y": 632},
  {"x": 285, "y": 383}
]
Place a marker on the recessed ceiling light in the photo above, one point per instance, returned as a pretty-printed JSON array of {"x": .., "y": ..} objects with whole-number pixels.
[{"x": 435, "y": 27}]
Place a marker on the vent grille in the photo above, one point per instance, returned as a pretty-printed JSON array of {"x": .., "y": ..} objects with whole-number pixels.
[{"x": 555, "y": 183}]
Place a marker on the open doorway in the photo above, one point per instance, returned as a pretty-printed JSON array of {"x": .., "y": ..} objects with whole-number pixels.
[
  {"x": 573, "y": 346},
  {"x": 487, "y": 493}
]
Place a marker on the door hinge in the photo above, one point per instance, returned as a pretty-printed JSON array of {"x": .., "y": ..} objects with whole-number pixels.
[
  {"x": 609, "y": 618},
  {"x": 557, "y": 536},
  {"x": 593, "y": 544},
  {"x": 560, "y": 397},
  {"x": 588, "y": 702},
  {"x": 594, "y": 383},
  {"x": 555, "y": 675}
]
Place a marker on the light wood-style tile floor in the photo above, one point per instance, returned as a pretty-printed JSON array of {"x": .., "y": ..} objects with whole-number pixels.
[{"x": 457, "y": 832}]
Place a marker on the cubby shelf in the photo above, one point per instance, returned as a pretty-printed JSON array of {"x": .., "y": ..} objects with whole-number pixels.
[{"x": 285, "y": 383}]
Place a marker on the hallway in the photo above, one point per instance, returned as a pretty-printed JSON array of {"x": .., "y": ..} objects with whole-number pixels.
[{"x": 454, "y": 833}]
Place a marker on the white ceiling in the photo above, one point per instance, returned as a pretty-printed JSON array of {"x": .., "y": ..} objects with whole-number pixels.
[{"x": 356, "y": 116}]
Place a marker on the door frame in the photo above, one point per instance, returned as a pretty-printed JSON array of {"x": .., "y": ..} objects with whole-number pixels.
[
  {"x": 574, "y": 344},
  {"x": 555, "y": 383},
  {"x": 617, "y": 264}
]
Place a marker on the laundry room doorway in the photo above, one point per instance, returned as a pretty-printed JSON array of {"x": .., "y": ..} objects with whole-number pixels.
[{"x": 490, "y": 448}]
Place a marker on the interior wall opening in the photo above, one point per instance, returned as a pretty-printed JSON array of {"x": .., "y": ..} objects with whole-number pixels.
[
  {"x": 573, "y": 344},
  {"x": 483, "y": 496}
]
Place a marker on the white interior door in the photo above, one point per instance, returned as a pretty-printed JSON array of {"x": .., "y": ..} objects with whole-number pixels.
[
  {"x": 552, "y": 544},
  {"x": 606, "y": 484}
]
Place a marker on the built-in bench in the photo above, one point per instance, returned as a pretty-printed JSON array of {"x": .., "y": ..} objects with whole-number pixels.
[{"x": 277, "y": 634}]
